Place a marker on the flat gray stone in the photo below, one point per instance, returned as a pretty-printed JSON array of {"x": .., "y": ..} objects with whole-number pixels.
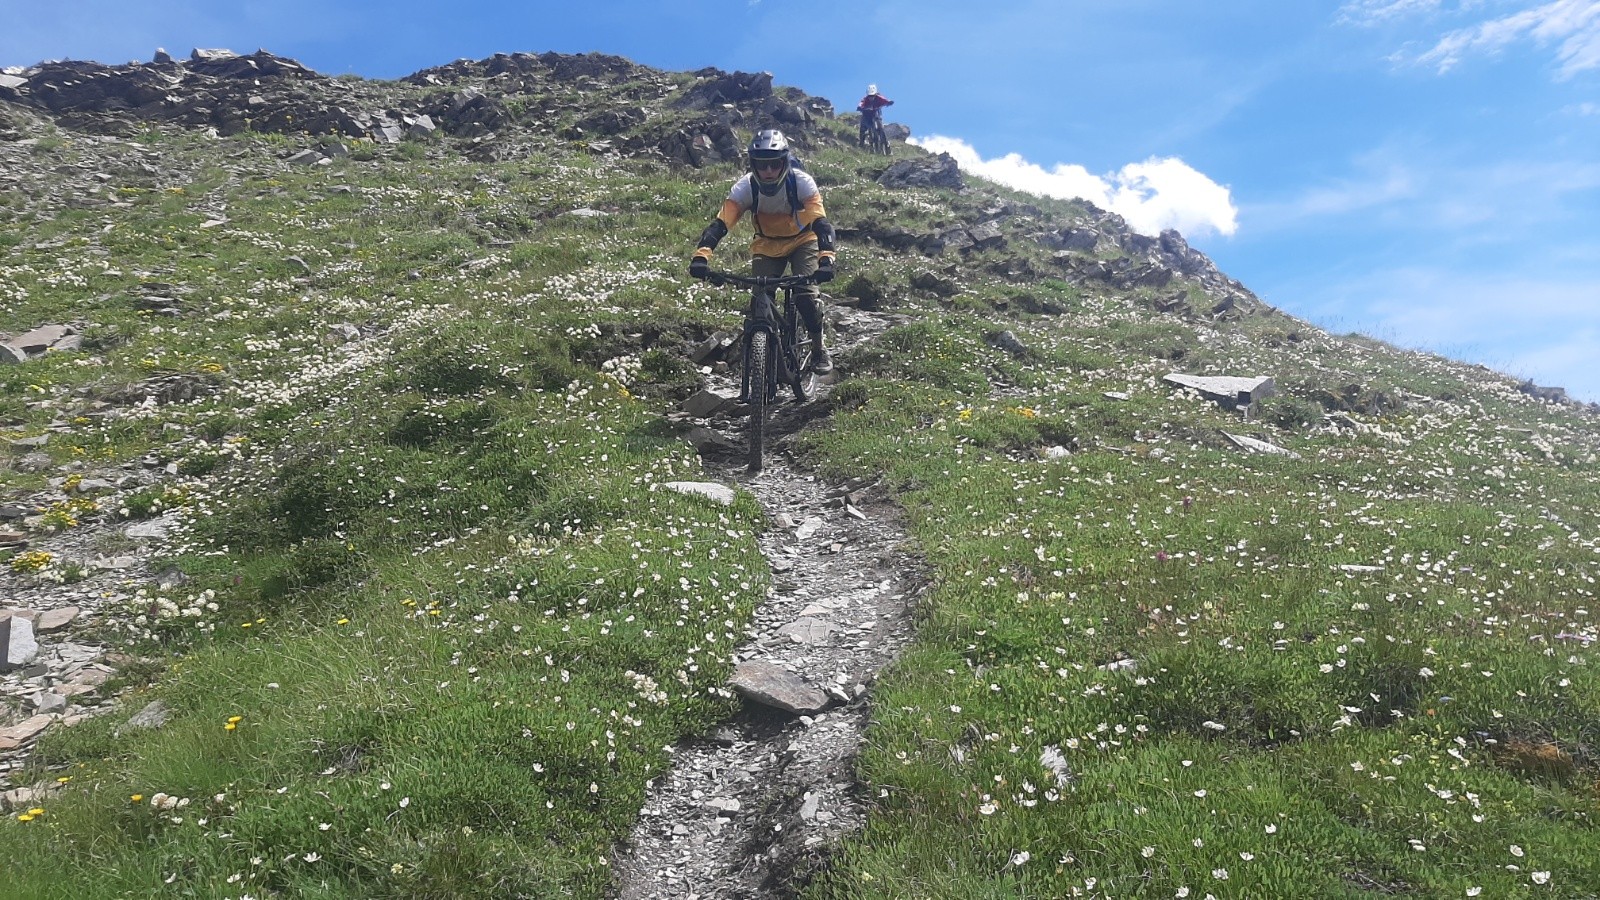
[
  {"x": 807, "y": 528},
  {"x": 705, "y": 403},
  {"x": 770, "y": 685},
  {"x": 154, "y": 715},
  {"x": 51, "y": 703},
  {"x": 714, "y": 346},
  {"x": 20, "y": 646},
  {"x": 40, "y": 339},
  {"x": 24, "y": 731},
  {"x": 703, "y": 439},
  {"x": 808, "y": 630},
  {"x": 52, "y": 620},
  {"x": 343, "y": 333},
  {"x": 94, "y": 486},
  {"x": 718, "y": 492},
  {"x": 23, "y": 797},
  {"x": 153, "y": 530},
  {"x": 1230, "y": 388},
  {"x": 1259, "y": 446}
]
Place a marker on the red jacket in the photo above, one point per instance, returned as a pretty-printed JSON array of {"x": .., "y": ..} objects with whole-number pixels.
[{"x": 873, "y": 103}]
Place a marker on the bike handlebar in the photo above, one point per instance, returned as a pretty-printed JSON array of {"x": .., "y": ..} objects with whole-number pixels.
[{"x": 759, "y": 281}]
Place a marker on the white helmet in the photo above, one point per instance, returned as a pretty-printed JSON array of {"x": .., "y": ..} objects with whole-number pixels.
[{"x": 872, "y": 90}]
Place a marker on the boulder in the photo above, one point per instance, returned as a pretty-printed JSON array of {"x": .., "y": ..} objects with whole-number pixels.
[
  {"x": 931, "y": 171},
  {"x": 1076, "y": 238},
  {"x": 717, "y": 87},
  {"x": 705, "y": 403},
  {"x": 771, "y": 685},
  {"x": 936, "y": 283}
]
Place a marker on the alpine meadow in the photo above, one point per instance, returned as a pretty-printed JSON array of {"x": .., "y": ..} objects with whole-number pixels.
[{"x": 373, "y": 524}]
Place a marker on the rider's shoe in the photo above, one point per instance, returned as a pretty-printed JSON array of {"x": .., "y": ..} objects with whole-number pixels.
[{"x": 821, "y": 360}]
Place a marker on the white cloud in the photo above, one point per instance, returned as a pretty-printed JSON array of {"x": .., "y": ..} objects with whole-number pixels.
[
  {"x": 1375, "y": 12},
  {"x": 1152, "y": 196},
  {"x": 1572, "y": 25}
]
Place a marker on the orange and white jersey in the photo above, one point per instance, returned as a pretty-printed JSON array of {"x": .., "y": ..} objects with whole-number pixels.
[{"x": 780, "y": 228}]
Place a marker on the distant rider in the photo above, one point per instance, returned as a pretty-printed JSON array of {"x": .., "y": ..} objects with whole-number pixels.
[
  {"x": 871, "y": 109},
  {"x": 791, "y": 229}
]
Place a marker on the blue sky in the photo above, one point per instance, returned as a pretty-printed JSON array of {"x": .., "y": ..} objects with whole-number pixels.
[{"x": 1424, "y": 171}]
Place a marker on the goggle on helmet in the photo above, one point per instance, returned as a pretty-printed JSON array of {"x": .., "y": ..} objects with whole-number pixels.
[{"x": 769, "y": 146}]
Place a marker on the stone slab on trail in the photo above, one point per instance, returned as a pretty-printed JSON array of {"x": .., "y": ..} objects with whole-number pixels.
[{"x": 771, "y": 685}]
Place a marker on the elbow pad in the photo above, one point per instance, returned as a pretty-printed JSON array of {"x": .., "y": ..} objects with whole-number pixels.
[
  {"x": 713, "y": 234},
  {"x": 824, "y": 230}
]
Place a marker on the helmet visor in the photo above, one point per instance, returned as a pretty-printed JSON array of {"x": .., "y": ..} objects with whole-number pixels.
[{"x": 769, "y": 168}]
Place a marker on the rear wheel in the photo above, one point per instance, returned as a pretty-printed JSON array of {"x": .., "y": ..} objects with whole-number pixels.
[{"x": 757, "y": 362}]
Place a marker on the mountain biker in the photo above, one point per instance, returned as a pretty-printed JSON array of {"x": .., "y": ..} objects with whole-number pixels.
[
  {"x": 871, "y": 109},
  {"x": 791, "y": 226}
]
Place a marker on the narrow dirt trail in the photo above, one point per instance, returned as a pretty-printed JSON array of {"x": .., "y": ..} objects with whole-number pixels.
[{"x": 751, "y": 809}]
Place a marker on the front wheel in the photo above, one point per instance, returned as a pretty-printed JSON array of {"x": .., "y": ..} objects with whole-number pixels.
[
  {"x": 757, "y": 360},
  {"x": 805, "y": 379}
]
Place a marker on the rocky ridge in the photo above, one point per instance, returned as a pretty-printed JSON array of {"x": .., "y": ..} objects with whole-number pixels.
[{"x": 495, "y": 106}]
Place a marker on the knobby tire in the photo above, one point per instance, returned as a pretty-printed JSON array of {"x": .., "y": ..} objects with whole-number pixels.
[{"x": 759, "y": 358}]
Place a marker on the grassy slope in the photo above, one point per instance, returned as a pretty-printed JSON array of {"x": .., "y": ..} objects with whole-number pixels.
[
  {"x": 437, "y": 559},
  {"x": 1144, "y": 672}
]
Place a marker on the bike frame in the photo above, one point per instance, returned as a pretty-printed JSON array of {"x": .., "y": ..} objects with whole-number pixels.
[{"x": 762, "y": 315}]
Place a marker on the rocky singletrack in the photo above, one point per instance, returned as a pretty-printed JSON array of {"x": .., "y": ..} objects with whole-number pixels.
[
  {"x": 754, "y": 808},
  {"x": 761, "y": 800}
]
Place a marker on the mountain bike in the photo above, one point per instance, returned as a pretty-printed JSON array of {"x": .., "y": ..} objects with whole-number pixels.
[
  {"x": 878, "y": 140},
  {"x": 873, "y": 134},
  {"x": 777, "y": 351}
]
